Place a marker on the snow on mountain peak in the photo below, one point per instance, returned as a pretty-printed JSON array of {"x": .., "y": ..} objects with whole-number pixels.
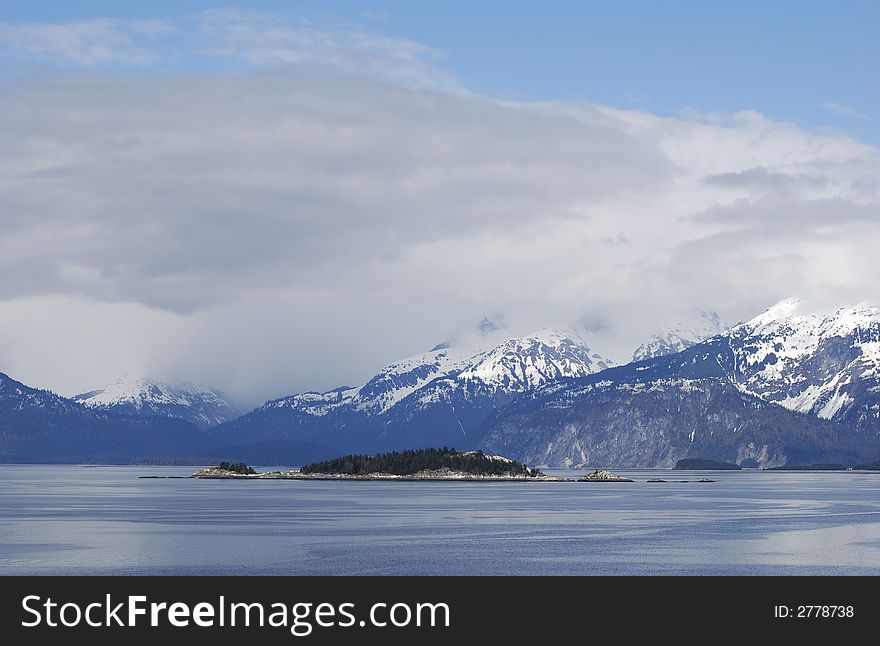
[
  {"x": 790, "y": 318},
  {"x": 388, "y": 386},
  {"x": 135, "y": 391},
  {"x": 515, "y": 365},
  {"x": 701, "y": 326},
  {"x": 784, "y": 309},
  {"x": 809, "y": 361},
  {"x": 137, "y": 395},
  {"x": 397, "y": 380},
  {"x": 527, "y": 362}
]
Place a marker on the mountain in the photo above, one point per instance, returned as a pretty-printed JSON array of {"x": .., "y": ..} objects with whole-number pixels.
[
  {"x": 142, "y": 397},
  {"x": 658, "y": 416},
  {"x": 16, "y": 397},
  {"x": 790, "y": 386},
  {"x": 40, "y": 426},
  {"x": 701, "y": 326},
  {"x": 786, "y": 387},
  {"x": 825, "y": 364},
  {"x": 438, "y": 397}
]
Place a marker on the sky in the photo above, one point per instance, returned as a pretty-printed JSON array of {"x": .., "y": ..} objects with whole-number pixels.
[{"x": 274, "y": 197}]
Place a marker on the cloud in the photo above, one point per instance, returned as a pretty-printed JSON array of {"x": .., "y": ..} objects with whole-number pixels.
[
  {"x": 95, "y": 42},
  {"x": 293, "y": 226},
  {"x": 754, "y": 178},
  {"x": 842, "y": 110},
  {"x": 253, "y": 38},
  {"x": 263, "y": 39}
]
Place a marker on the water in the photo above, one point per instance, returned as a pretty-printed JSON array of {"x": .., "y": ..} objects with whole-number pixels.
[{"x": 104, "y": 520}]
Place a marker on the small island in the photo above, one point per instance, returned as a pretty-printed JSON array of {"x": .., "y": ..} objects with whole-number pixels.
[
  {"x": 418, "y": 464},
  {"x": 602, "y": 476},
  {"x": 703, "y": 464}
]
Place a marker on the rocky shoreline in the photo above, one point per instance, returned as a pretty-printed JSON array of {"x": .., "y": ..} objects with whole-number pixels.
[
  {"x": 603, "y": 476},
  {"x": 213, "y": 473},
  {"x": 436, "y": 475},
  {"x": 444, "y": 474}
]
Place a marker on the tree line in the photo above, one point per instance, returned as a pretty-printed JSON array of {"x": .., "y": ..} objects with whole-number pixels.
[
  {"x": 403, "y": 463},
  {"x": 236, "y": 467}
]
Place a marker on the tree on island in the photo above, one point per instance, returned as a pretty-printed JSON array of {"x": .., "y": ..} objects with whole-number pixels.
[
  {"x": 236, "y": 467},
  {"x": 405, "y": 463}
]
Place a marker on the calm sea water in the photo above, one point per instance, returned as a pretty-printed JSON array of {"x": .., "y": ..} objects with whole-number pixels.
[{"x": 104, "y": 520}]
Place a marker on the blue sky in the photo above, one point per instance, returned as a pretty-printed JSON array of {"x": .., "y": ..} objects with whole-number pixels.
[{"x": 810, "y": 62}]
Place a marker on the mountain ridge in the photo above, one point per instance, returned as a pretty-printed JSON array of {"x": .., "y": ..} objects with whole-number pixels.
[
  {"x": 786, "y": 386},
  {"x": 141, "y": 396},
  {"x": 681, "y": 336}
]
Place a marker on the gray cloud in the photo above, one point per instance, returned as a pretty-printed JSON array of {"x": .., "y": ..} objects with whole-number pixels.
[
  {"x": 297, "y": 226},
  {"x": 781, "y": 216},
  {"x": 180, "y": 193},
  {"x": 755, "y": 178}
]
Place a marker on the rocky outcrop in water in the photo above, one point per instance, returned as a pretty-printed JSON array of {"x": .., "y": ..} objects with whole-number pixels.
[{"x": 602, "y": 476}]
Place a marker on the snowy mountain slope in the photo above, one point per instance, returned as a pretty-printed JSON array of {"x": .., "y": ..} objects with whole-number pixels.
[
  {"x": 681, "y": 336},
  {"x": 40, "y": 426},
  {"x": 547, "y": 398},
  {"x": 442, "y": 395},
  {"x": 789, "y": 386},
  {"x": 528, "y": 362},
  {"x": 702, "y": 402},
  {"x": 135, "y": 396},
  {"x": 387, "y": 387},
  {"x": 823, "y": 363},
  {"x": 516, "y": 365}
]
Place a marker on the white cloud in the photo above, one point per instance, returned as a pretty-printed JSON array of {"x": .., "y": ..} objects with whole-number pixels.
[
  {"x": 259, "y": 39},
  {"x": 99, "y": 41},
  {"x": 263, "y": 39},
  {"x": 842, "y": 110},
  {"x": 294, "y": 228}
]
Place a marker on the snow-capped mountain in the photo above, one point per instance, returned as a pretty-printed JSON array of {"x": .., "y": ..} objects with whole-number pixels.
[
  {"x": 823, "y": 363},
  {"x": 787, "y": 387},
  {"x": 136, "y": 396},
  {"x": 40, "y": 426},
  {"x": 391, "y": 384},
  {"x": 548, "y": 398},
  {"x": 516, "y": 365},
  {"x": 790, "y": 386},
  {"x": 442, "y": 395},
  {"x": 525, "y": 363},
  {"x": 681, "y": 336}
]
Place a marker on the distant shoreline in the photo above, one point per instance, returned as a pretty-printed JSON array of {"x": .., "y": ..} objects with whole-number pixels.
[
  {"x": 212, "y": 473},
  {"x": 434, "y": 475},
  {"x": 92, "y": 465},
  {"x": 387, "y": 478}
]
